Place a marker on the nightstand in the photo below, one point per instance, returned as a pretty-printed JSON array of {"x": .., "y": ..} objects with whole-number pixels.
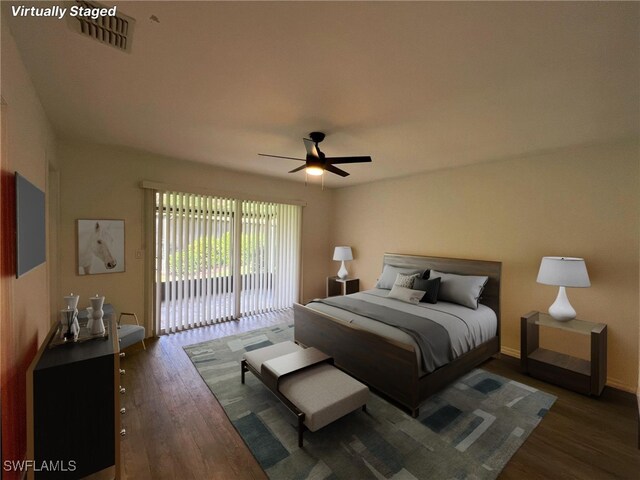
[
  {"x": 576, "y": 374},
  {"x": 337, "y": 286}
]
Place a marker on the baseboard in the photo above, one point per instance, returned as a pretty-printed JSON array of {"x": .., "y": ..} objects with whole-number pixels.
[{"x": 618, "y": 385}]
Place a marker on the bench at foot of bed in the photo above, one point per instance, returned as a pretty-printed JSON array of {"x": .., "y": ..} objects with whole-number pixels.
[{"x": 308, "y": 384}]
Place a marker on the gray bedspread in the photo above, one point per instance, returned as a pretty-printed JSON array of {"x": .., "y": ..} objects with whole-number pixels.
[{"x": 432, "y": 338}]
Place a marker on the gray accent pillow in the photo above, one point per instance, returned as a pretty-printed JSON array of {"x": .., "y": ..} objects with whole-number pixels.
[
  {"x": 406, "y": 294},
  {"x": 405, "y": 280},
  {"x": 464, "y": 290},
  {"x": 390, "y": 273}
]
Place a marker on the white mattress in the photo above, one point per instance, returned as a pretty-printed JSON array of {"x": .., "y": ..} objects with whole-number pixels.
[{"x": 467, "y": 328}]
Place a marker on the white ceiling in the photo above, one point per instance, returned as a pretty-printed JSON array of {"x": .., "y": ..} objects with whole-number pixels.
[{"x": 418, "y": 86}]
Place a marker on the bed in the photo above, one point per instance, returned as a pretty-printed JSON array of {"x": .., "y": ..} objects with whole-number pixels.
[{"x": 390, "y": 362}]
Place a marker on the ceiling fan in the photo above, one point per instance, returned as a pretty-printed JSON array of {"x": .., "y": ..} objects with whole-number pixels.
[{"x": 316, "y": 163}]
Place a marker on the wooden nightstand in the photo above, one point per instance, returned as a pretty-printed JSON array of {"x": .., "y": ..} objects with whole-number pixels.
[
  {"x": 576, "y": 374},
  {"x": 336, "y": 286}
]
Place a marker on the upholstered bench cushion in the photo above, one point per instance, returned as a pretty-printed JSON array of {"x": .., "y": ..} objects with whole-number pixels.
[
  {"x": 324, "y": 394},
  {"x": 257, "y": 357}
]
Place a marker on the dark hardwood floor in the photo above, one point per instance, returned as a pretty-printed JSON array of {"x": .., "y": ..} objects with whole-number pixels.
[
  {"x": 581, "y": 437},
  {"x": 177, "y": 429}
]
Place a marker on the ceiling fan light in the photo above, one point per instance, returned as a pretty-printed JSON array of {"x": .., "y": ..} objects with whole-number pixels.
[{"x": 315, "y": 171}]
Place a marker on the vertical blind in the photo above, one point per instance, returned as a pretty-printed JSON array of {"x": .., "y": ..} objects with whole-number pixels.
[
  {"x": 221, "y": 258},
  {"x": 270, "y": 257}
]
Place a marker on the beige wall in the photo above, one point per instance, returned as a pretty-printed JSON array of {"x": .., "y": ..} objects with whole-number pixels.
[
  {"x": 580, "y": 202},
  {"x": 104, "y": 182},
  {"x": 27, "y": 147}
]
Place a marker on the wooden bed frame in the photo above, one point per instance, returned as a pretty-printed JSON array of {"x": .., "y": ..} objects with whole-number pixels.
[{"x": 388, "y": 366}]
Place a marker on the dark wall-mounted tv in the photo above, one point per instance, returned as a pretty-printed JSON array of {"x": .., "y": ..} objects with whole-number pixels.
[{"x": 31, "y": 240}]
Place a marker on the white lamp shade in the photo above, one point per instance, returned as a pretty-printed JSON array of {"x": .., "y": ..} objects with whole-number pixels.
[
  {"x": 564, "y": 272},
  {"x": 342, "y": 253}
]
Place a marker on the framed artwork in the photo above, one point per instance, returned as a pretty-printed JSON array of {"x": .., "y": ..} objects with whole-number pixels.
[{"x": 100, "y": 246}]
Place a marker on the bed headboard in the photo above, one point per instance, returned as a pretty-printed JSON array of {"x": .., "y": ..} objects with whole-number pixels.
[{"x": 491, "y": 293}]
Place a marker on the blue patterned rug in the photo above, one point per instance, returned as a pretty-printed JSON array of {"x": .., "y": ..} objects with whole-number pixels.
[{"x": 469, "y": 430}]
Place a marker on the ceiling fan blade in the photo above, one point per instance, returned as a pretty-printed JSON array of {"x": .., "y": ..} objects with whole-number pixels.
[
  {"x": 280, "y": 156},
  {"x": 339, "y": 160},
  {"x": 301, "y": 167},
  {"x": 311, "y": 148},
  {"x": 336, "y": 170}
]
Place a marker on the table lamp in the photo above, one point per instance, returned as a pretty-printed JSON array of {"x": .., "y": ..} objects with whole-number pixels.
[
  {"x": 342, "y": 254},
  {"x": 563, "y": 272}
]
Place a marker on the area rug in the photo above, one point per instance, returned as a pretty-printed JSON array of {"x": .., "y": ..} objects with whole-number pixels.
[{"x": 469, "y": 430}]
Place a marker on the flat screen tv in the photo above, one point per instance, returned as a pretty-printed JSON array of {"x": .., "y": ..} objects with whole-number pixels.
[{"x": 31, "y": 242}]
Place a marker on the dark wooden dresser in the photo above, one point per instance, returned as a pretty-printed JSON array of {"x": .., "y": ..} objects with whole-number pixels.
[{"x": 73, "y": 411}]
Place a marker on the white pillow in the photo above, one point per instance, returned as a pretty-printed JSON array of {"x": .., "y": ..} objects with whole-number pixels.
[
  {"x": 464, "y": 290},
  {"x": 390, "y": 273},
  {"x": 406, "y": 294},
  {"x": 405, "y": 280}
]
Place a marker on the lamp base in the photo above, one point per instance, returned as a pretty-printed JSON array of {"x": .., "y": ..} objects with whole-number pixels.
[
  {"x": 342, "y": 273},
  {"x": 561, "y": 309}
]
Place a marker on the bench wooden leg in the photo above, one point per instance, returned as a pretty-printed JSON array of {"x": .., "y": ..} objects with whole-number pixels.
[
  {"x": 415, "y": 413},
  {"x": 364, "y": 407}
]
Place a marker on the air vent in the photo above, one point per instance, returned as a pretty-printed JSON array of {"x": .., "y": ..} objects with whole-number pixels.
[{"x": 116, "y": 31}]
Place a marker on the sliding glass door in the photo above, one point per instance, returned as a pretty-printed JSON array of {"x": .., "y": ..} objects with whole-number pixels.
[
  {"x": 221, "y": 258},
  {"x": 269, "y": 256}
]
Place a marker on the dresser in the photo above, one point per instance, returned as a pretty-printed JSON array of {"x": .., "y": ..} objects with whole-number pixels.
[{"x": 73, "y": 411}]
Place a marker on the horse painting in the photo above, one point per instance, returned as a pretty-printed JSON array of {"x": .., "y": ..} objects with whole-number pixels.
[{"x": 100, "y": 246}]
